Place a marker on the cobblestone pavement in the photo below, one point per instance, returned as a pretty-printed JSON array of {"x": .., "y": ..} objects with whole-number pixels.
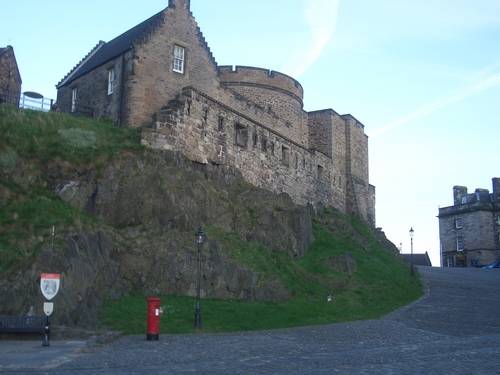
[{"x": 453, "y": 329}]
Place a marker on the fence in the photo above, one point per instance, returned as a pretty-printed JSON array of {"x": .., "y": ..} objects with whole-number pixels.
[
  {"x": 36, "y": 101},
  {"x": 28, "y": 100}
]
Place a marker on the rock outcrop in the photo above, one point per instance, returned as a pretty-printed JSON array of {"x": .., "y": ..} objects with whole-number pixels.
[{"x": 150, "y": 207}]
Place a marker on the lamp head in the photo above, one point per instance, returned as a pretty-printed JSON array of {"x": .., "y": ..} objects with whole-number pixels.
[
  {"x": 200, "y": 236},
  {"x": 411, "y": 232}
]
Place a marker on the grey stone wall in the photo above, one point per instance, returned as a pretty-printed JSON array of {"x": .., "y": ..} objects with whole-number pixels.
[
  {"x": 10, "y": 78},
  {"x": 274, "y": 92},
  {"x": 191, "y": 125}
]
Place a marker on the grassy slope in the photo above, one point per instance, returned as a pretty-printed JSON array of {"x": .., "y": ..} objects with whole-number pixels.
[{"x": 35, "y": 140}]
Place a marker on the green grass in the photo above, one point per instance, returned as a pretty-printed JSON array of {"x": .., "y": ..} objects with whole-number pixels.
[
  {"x": 34, "y": 143},
  {"x": 380, "y": 285},
  {"x": 45, "y": 137}
]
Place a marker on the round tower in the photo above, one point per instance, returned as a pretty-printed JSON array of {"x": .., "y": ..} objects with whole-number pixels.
[{"x": 275, "y": 92}]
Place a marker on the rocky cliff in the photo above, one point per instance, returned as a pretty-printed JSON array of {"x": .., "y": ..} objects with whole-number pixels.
[{"x": 149, "y": 207}]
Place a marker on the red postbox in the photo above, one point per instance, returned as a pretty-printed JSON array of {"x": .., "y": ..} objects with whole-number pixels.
[{"x": 153, "y": 330}]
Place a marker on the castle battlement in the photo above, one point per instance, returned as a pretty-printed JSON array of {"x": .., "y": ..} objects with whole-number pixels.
[{"x": 259, "y": 77}]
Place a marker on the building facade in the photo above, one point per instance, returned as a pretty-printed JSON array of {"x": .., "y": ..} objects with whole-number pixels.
[
  {"x": 162, "y": 76},
  {"x": 10, "y": 78},
  {"x": 469, "y": 231}
]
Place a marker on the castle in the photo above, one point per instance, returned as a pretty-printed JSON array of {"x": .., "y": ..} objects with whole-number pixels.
[{"x": 162, "y": 76}]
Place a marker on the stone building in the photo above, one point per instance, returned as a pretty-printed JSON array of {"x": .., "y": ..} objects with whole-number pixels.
[
  {"x": 10, "y": 78},
  {"x": 162, "y": 76},
  {"x": 469, "y": 231}
]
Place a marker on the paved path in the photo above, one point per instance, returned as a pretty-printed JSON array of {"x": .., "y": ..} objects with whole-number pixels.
[{"x": 454, "y": 329}]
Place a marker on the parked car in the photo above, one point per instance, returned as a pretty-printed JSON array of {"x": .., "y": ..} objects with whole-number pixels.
[{"x": 493, "y": 265}]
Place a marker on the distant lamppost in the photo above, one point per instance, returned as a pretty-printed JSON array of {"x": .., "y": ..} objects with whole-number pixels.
[
  {"x": 200, "y": 238},
  {"x": 411, "y": 256}
]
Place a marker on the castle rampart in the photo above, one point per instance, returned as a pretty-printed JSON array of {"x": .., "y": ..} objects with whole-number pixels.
[{"x": 270, "y": 160}]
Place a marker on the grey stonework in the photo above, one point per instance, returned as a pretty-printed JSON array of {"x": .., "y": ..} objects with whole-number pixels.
[
  {"x": 10, "y": 78},
  {"x": 469, "y": 231},
  {"x": 249, "y": 118}
]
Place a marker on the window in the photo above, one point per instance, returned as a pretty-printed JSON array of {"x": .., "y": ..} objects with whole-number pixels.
[
  {"x": 111, "y": 81},
  {"x": 321, "y": 173},
  {"x": 285, "y": 155},
  {"x": 254, "y": 139},
  {"x": 221, "y": 123},
  {"x": 264, "y": 144},
  {"x": 73, "y": 100},
  {"x": 464, "y": 199},
  {"x": 460, "y": 244},
  {"x": 498, "y": 220},
  {"x": 458, "y": 224},
  {"x": 178, "y": 59},
  {"x": 241, "y": 135}
]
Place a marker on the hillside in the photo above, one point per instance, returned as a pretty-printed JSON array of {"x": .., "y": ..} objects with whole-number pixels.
[{"x": 82, "y": 198}]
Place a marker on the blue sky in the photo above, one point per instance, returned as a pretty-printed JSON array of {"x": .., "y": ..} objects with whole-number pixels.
[{"x": 422, "y": 76}]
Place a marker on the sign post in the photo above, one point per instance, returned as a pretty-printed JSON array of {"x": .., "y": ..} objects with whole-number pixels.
[{"x": 49, "y": 285}]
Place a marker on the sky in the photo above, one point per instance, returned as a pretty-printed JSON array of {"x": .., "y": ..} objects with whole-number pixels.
[{"x": 423, "y": 77}]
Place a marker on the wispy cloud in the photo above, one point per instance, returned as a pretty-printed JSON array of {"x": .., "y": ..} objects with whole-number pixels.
[
  {"x": 320, "y": 16},
  {"x": 491, "y": 81}
]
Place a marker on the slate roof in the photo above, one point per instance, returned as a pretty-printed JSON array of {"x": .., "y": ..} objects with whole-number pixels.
[
  {"x": 3, "y": 50},
  {"x": 104, "y": 52}
]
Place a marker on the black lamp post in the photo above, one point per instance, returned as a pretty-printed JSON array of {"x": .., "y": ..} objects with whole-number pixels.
[
  {"x": 200, "y": 238},
  {"x": 411, "y": 256}
]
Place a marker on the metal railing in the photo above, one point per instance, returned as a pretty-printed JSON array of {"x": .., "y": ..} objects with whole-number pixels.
[
  {"x": 35, "y": 101},
  {"x": 28, "y": 100}
]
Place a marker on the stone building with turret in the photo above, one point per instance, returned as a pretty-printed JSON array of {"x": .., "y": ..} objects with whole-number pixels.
[{"x": 161, "y": 76}]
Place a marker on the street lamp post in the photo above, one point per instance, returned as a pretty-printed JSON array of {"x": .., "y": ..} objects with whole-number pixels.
[
  {"x": 200, "y": 238},
  {"x": 411, "y": 256}
]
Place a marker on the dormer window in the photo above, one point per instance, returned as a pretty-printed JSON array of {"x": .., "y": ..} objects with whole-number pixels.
[{"x": 178, "y": 59}]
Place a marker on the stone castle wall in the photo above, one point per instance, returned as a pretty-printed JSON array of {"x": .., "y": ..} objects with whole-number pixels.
[
  {"x": 270, "y": 161},
  {"x": 275, "y": 92}
]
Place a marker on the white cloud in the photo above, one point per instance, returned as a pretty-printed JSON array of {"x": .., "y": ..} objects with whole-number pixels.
[
  {"x": 320, "y": 17},
  {"x": 491, "y": 81}
]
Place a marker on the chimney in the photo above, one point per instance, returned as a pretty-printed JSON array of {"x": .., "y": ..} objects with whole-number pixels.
[
  {"x": 458, "y": 191},
  {"x": 496, "y": 188},
  {"x": 496, "y": 185},
  {"x": 186, "y": 4}
]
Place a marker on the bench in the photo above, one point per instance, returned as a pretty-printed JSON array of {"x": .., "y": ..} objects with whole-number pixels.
[{"x": 24, "y": 324}]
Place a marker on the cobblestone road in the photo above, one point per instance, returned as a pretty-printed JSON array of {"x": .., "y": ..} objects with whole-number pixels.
[{"x": 453, "y": 329}]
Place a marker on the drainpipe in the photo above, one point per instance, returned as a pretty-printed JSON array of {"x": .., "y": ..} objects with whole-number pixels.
[{"x": 120, "y": 105}]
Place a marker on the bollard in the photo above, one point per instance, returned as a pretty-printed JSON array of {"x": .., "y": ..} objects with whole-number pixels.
[{"x": 153, "y": 329}]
